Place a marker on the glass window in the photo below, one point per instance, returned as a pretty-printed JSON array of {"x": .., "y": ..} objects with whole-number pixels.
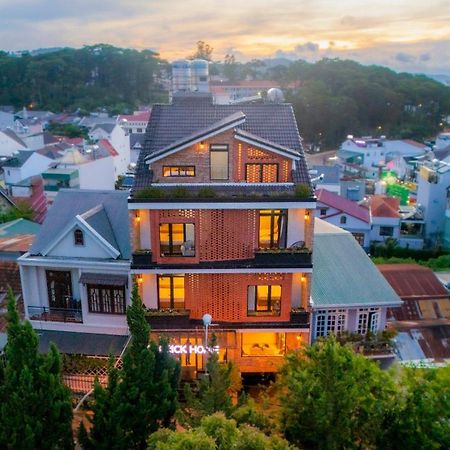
[
  {"x": 78, "y": 237},
  {"x": 264, "y": 300},
  {"x": 343, "y": 220},
  {"x": 368, "y": 320},
  {"x": 106, "y": 299},
  {"x": 177, "y": 239},
  {"x": 323, "y": 211},
  {"x": 386, "y": 231},
  {"x": 272, "y": 228},
  {"x": 218, "y": 157},
  {"x": 171, "y": 291},
  {"x": 263, "y": 344},
  {"x": 330, "y": 321},
  {"x": 261, "y": 173},
  {"x": 179, "y": 171}
]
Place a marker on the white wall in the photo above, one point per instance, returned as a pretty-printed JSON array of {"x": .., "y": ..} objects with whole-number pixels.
[
  {"x": 378, "y": 222},
  {"x": 35, "y": 165},
  {"x": 97, "y": 174},
  {"x": 8, "y": 146},
  {"x": 120, "y": 140},
  {"x": 144, "y": 225},
  {"x": 150, "y": 290},
  {"x": 296, "y": 226}
]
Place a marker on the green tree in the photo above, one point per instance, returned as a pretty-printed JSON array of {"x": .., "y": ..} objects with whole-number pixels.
[
  {"x": 216, "y": 432},
  {"x": 140, "y": 397},
  {"x": 422, "y": 414},
  {"x": 203, "y": 51},
  {"x": 214, "y": 390},
  {"x": 35, "y": 405},
  {"x": 333, "y": 399}
]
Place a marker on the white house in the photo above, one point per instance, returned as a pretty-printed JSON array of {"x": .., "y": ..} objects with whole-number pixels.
[
  {"x": 75, "y": 276},
  {"x": 6, "y": 120},
  {"x": 385, "y": 218},
  {"x": 24, "y": 164},
  {"x": 348, "y": 292},
  {"x": 10, "y": 142},
  {"x": 344, "y": 213},
  {"x": 134, "y": 123},
  {"x": 119, "y": 140},
  {"x": 433, "y": 183}
]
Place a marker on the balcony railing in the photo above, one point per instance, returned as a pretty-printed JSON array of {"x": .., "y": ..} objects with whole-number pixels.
[
  {"x": 70, "y": 315},
  {"x": 166, "y": 319}
]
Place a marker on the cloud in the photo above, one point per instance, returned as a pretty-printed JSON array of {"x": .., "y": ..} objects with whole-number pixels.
[
  {"x": 307, "y": 47},
  {"x": 405, "y": 57},
  {"x": 425, "y": 57}
]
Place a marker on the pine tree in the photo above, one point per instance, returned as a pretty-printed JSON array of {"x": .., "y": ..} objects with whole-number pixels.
[
  {"x": 140, "y": 397},
  {"x": 35, "y": 405}
]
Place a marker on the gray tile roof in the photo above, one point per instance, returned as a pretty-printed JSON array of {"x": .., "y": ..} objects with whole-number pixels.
[
  {"x": 12, "y": 135},
  {"x": 343, "y": 274},
  {"x": 108, "y": 127},
  {"x": 18, "y": 159},
  {"x": 112, "y": 223},
  {"x": 274, "y": 122},
  {"x": 331, "y": 174}
]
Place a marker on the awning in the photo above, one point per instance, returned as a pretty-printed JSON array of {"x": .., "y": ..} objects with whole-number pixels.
[{"x": 104, "y": 278}]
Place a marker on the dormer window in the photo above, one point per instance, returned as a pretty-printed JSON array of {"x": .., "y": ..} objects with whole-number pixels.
[
  {"x": 78, "y": 237},
  {"x": 343, "y": 220}
]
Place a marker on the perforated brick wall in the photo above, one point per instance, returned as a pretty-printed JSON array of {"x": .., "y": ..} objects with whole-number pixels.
[{"x": 224, "y": 296}]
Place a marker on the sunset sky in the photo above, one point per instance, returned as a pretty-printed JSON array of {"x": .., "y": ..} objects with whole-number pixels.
[{"x": 405, "y": 35}]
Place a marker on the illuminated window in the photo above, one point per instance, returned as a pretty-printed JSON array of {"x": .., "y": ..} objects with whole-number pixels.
[
  {"x": 263, "y": 344},
  {"x": 330, "y": 321},
  {"x": 177, "y": 239},
  {"x": 179, "y": 171},
  {"x": 218, "y": 160},
  {"x": 78, "y": 237},
  {"x": 261, "y": 173},
  {"x": 171, "y": 291},
  {"x": 264, "y": 300},
  {"x": 106, "y": 299},
  {"x": 272, "y": 228}
]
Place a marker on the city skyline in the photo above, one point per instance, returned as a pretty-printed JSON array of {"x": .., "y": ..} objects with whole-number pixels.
[{"x": 408, "y": 36}]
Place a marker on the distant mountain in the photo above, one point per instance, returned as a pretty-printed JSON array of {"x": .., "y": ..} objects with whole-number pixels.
[{"x": 444, "y": 79}]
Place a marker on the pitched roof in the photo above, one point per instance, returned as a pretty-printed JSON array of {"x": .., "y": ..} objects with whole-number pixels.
[
  {"x": 18, "y": 244},
  {"x": 18, "y": 227},
  {"x": 108, "y": 147},
  {"x": 108, "y": 127},
  {"x": 343, "y": 273},
  {"x": 141, "y": 116},
  {"x": 342, "y": 204},
  {"x": 10, "y": 133},
  {"x": 189, "y": 114},
  {"x": 331, "y": 174},
  {"x": 18, "y": 159},
  {"x": 111, "y": 224},
  {"x": 384, "y": 206}
]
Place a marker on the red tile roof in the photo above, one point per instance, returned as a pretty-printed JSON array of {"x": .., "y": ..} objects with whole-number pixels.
[
  {"x": 19, "y": 243},
  {"x": 109, "y": 147},
  {"x": 384, "y": 206},
  {"x": 342, "y": 204},
  {"x": 140, "y": 116}
]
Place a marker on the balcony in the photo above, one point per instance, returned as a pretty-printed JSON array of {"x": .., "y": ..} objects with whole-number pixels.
[
  {"x": 47, "y": 314},
  {"x": 270, "y": 258},
  {"x": 168, "y": 318},
  {"x": 300, "y": 317}
]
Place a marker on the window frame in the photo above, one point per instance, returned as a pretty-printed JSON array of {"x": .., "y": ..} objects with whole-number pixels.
[
  {"x": 368, "y": 320},
  {"x": 329, "y": 321},
  {"x": 101, "y": 288},
  {"x": 273, "y": 214},
  {"x": 343, "y": 220},
  {"x": 170, "y": 244},
  {"x": 271, "y": 302},
  {"x": 384, "y": 227},
  {"x": 180, "y": 168},
  {"x": 171, "y": 287},
  {"x": 261, "y": 172},
  {"x": 78, "y": 237},
  {"x": 219, "y": 148}
]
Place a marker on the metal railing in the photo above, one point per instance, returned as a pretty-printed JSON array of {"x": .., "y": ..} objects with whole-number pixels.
[{"x": 48, "y": 314}]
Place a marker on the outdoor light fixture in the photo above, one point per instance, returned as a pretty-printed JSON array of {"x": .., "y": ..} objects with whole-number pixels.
[
  {"x": 306, "y": 215},
  {"x": 137, "y": 217},
  {"x": 202, "y": 145},
  {"x": 140, "y": 280},
  {"x": 303, "y": 278}
]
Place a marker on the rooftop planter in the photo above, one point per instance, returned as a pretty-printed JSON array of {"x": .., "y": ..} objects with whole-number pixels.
[
  {"x": 142, "y": 257},
  {"x": 287, "y": 256}
]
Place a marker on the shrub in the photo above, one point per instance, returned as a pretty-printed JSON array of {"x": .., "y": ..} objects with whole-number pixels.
[
  {"x": 150, "y": 192},
  {"x": 302, "y": 191},
  {"x": 179, "y": 192},
  {"x": 207, "y": 192}
]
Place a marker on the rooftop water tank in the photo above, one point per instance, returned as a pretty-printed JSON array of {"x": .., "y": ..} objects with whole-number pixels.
[
  {"x": 200, "y": 75},
  {"x": 181, "y": 75}
]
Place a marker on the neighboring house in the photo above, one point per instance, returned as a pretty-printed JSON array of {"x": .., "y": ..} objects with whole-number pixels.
[
  {"x": 433, "y": 183},
  {"x": 237, "y": 243},
  {"x": 442, "y": 141},
  {"x": 423, "y": 321},
  {"x": 385, "y": 218},
  {"x": 16, "y": 238},
  {"x": 31, "y": 191},
  {"x": 121, "y": 161},
  {"x": 10, "y": 142},
  {"x": 74, "y": 170},
  {"x": 344, "y": 213},
  {"x": 326, "y": 177},
  {"x": 136, "y": 145},
  {"x": 119, "y": 140},
  {"x": 348, "y": 292},
  {"x": 352, "y": 188},
  {"x": 24, "y": 164},
  {"x": 135, "y": 123},
  {"x": 6, "y": 203},
  {"x": 75, "y": 277},
  {"x": 374, "y": 153},
  {"x": 39, "y": 140},
  {"x": 226, "y": 92},
  {"x": 6, "y": 120}
]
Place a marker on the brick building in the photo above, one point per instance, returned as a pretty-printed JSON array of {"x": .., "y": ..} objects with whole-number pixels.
[{"x": 221, "y": 217}]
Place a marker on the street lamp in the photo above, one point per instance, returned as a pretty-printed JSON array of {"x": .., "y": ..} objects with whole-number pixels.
[{"x": 207, "y": 319}]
